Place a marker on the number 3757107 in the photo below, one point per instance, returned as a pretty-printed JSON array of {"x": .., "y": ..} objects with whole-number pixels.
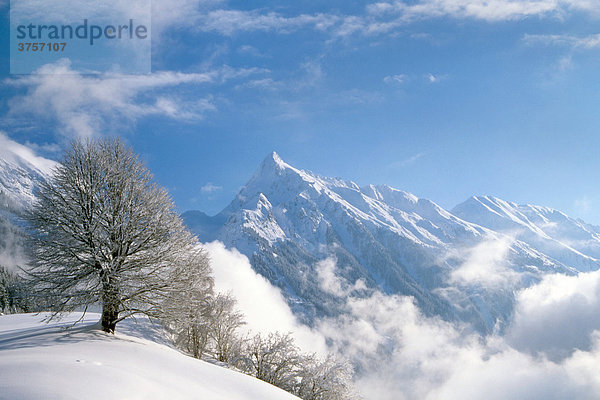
[{"x": 42, "y": 46}]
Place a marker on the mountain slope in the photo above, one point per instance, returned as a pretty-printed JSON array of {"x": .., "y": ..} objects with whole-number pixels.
[
  {"x": 572, "y": 242},
  {"x": 39, "y": 361},
  {"x": 286, "y": 220},
  {"x": 21, "y": 173}
]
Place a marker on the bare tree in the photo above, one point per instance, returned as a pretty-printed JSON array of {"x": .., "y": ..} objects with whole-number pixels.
[
  {"x": 225, "y": 321},
  {"x": 273, "y": 359},
  {"x": 105, "y": 233},
  {"x": 324, "y": 379},
  {"x": 277, "y": 360},
  {"x": 188, "y": 306}
]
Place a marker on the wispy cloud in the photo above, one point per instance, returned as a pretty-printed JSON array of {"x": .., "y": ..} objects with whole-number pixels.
[
  {"x": 264, "y": 84},
  {"x": 377, "y": 18},
  {"x": 83, "y": 105},
  {"x": 487, "y": 10},
  {"x": 407, "y": 161},
  {"x": 431, "y": 78},
  {"x": 577, "y": 42},
  {"x": 230, "y": 22},
  {"x": 395, "y": 79},
  {"x": 210, "y": 188},
  {"x": 330, "y": 282},
  {"x": 486, "y": 265}
]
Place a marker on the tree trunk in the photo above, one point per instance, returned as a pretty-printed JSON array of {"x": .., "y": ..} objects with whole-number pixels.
[
  {"x": 109, "y": 319},
  {"x": 110, "y": 305}
]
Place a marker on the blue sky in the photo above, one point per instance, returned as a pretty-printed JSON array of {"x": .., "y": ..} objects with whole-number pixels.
[{"x": 442, "y": 98}]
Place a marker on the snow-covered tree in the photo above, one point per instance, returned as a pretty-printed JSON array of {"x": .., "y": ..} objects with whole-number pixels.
[
  {"x": 225, "y": 321},
  {"x": 7, "y": 297},
  {"x": 324, "y": 379},
  {"x": 188, "y": 306},
  {"x": 105, "y": 233},
  {"x": 274, "y": 359}
]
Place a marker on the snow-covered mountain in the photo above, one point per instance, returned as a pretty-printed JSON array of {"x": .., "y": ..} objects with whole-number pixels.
[
  {"x": 21, "y": 172},
  {"x": 287, "y": 220},
  {"x": 571, "y": 241}
]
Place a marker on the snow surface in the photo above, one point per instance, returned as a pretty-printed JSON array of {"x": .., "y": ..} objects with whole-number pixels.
[
  {"x": 65, "y": 361},
  {"x": 20, "y": 155},
  {"x": 21, "y": 172}
]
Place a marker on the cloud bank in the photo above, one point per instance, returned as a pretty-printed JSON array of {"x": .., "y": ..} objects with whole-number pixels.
[
  {"x": 263, "y": 305},
  {"x": 403, "y": 355},
  {"x": 552, "y": 350}
]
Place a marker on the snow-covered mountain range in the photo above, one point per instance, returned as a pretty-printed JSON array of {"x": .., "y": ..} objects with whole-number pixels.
[
  {"x": 461, "y": 265},
  {"x": 570, "y": 241}
]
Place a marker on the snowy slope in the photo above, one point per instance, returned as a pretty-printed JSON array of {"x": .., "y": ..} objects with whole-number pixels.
[
  {"x": 39, "y": 361},
  {"x": 572, "y": 242},
  {"x": 286, "y": 220},
  {"x": 20, "y": 173}
]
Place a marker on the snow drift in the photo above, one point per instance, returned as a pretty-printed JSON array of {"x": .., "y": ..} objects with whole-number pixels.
[{"x": 65, "y": 361}]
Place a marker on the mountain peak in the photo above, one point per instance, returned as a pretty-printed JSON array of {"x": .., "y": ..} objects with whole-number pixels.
[
  {"x": 21, "y": 156},
  {"x": 271, "y": 171},
  {"x": 274, "y": 161},
  {"x": 272, "y": 166}
]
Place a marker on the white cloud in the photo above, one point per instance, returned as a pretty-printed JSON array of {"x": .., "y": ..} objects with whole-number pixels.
[
  {"x": 578, "y": 42},
  {"x": 44, "y": 147},
  {"x": 412, "y": 159},
  {"x": 565, "y": 63},
  {"x": 229, "y": 22},
  {"x": 379, "y": 17},
  {"x": 184, "y": 11},
  {"x": 405, "y": 355},
  {"x": 407, "y": 161},
  {"x": 313, "y": 73},
  {"x": 486, "y": 265},
  {"x": 83, "y": 105},
  {"x": 68, "y": 12},
  {"x": 263, "y": 305},
  {"x": 558, "y": 315},
  {"x": 431, "y": 78},
  {"x": 265, "y": 84},
  {"x": 487, "y": 10},
  {"x": 12, "y": 247},
  {"x": 210, "y": 188},
  {"x": 331, "y": 283},
  {"x": 398, "y": 79}
]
